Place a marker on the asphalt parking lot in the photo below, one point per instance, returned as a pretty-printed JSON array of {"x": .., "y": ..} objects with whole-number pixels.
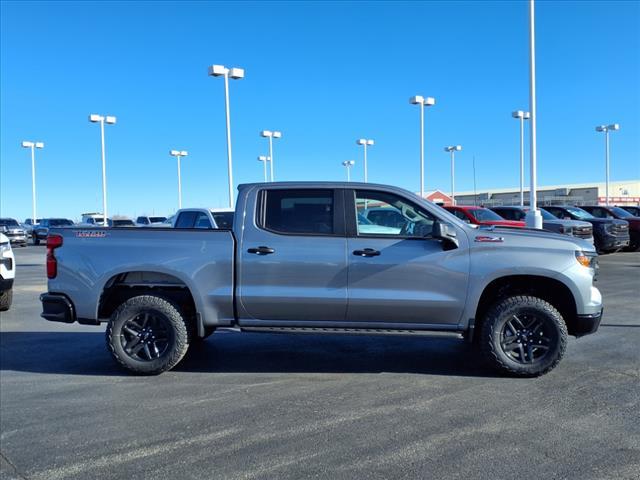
[{"x": 251, "y": 406}]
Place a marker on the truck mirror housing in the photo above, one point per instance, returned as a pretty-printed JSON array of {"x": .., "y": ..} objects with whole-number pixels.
[{"x": 446, "y": 233}]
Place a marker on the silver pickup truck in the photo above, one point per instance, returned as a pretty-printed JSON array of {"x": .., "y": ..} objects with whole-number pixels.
[{"x": 301, "y": 258}]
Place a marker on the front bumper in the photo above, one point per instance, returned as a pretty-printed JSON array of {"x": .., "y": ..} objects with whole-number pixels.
[
  {"x": 18, "y": 239},
  {"x": 585, "y": 324},
  {"x": 6, "y": 284},
  {"x": 611, "y": 242}
]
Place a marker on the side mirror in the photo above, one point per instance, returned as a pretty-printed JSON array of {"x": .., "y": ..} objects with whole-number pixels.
[{"x": 445, "y": 232}]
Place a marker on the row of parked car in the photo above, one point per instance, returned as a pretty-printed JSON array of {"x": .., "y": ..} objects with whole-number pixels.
[{"x": 609, "y": 228}]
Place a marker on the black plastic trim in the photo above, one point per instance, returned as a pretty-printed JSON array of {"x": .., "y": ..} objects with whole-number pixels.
[
  {"x": 585, "y": 324},
  {"x": 56, "y": 307}
]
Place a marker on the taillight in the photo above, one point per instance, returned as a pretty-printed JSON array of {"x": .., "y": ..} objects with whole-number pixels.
[{"x": 53, "y": 241}]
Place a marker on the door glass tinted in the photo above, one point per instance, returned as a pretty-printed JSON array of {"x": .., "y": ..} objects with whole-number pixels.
[
  {"x": 380, "y": 213},
  {"x": 461, "y": 215},
  {"x": 299, "y": 211},
  {"x": 224, "y": 220},
  {"x": 202, "y": 221},
  {"x": 186, "y": 220}
]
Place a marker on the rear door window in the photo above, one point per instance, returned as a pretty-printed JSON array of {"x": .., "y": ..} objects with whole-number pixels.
[{"x": 299, "y": 211}]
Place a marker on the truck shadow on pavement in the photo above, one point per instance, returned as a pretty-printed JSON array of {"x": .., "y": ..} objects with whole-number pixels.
[{"x": 85, "y": 353}]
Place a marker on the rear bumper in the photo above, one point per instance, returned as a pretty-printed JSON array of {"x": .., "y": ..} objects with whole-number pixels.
[{"x": 57, "y": 307}]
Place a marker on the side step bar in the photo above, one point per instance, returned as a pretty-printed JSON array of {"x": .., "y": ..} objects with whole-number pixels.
[{"x": 352, "y": 331}]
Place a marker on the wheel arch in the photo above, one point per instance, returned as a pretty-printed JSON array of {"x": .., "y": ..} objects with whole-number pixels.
[
  {"x": 549, "y": 289},
  {"x": 127, "y": 284}
]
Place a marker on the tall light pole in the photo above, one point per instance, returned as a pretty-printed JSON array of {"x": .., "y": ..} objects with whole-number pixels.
[
  {"x": 179, "y": 154},
  {"x": 365, "y": 143},
  {"x": 264, "y": 159},
  {"x": 606, "y": 129},
  {"x": 101, "y": 119},
  {"x": 348, "y": 164},
  {"x": 533, "y": 218},
  {"x": 522, "y": 116},
  {"x": 452, "y": 149},
  {"x": 271, "y": 135},
  {"x": 236, "y": 74},
  {"x": 429, "y": 102},
  {"x": 33, "y": 146}
]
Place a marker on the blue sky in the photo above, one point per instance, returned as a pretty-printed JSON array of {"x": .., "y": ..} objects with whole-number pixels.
[{"x": 325, "y": 74}]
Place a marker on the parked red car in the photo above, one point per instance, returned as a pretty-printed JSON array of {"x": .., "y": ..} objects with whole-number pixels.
[{"x": 482, "y": 216}]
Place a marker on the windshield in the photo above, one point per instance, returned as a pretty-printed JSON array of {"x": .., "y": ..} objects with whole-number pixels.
[
  {"x": 484, "y": 214},
  {"x": 580, "y": 213},
  {"x": 621, "y": 212},
  {"x": 60, "y": 222},
  {"x": 157, "y": 219},
  {"x": 9, "y": 222},
  {"x": 546, "y": 215}
]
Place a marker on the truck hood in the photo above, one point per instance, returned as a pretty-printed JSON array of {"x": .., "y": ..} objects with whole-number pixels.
[
  {"x": 569, "y": 223},
  {"x": 529, "y": 238},
  {"x": 504, "y": 223}
]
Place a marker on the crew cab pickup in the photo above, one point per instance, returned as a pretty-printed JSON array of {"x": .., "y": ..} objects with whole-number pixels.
[{"x": 301, "y": 257}]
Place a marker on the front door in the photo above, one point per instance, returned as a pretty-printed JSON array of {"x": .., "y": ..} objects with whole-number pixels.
[
  {"x": 292, "y": 258},
  {"x": 398, "y": 274}
]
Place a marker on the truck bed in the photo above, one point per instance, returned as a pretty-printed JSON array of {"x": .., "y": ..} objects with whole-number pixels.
[{"x": 92, "y": 259}]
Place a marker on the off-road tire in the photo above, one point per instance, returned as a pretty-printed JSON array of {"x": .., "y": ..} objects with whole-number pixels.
[
  {"x": 176, "y": 348},
  {"x": 6, "y": 298},
  {"x": 495, "y": 322}
]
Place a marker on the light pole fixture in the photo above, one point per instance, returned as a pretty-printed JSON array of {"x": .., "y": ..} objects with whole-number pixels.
[
  {"x": 102, "y": 119},
  {"x": 264, "y": 159},
  {"x": 179, "y": 154},
  {"x": 533, "y": 217},
  {"x": 422, "y": 102},
  {"x": 236, "y": 74},
  {"x": 271, "y": 135},
  {"x": 522, "y": 116},
  {"x": 33, "y": 146},
  {"x": 452, "y": 149},
  {"x": 606, "y": 129},
  {"x": 365, "y": 143},
  {"x": 348, "y": 164}
]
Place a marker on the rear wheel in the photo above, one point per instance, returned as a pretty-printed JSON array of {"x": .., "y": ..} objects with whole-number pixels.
[
  {"x": 6, "y": 298},
  {"x": 147, "y": 335},
  {"x": 524, "y": 336}
]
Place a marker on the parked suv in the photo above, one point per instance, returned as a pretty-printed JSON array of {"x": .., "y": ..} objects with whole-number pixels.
[
  {"x": 42, "y": 230},
  {"x": 599, "y": 211},
  {"x": 482, "y": 216},
  {"x": 576, "y": 228},
  {"x": 29, "y": 225},
  {"x": 609, "y": 234},
  {"x": 14, "y": 231},
  {"x": 7, "y": 273}
]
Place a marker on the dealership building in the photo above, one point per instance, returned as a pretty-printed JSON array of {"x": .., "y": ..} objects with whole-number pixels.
[{"x": 625, "y": 192}]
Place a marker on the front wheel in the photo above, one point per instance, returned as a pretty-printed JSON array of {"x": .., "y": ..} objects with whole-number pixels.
[
  {"x": 147, "y": 335},
  {"x": 524, "y": 336}
]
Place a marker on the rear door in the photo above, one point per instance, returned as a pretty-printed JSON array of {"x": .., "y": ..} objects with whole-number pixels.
[
  {"x": 292, "y": 258},
  {"x": 402, "y": 275}
]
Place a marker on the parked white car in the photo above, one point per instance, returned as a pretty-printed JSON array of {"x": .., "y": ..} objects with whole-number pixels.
[
  {"x": 208, "y": 218},
  {"x": 7, "y": 273}
]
